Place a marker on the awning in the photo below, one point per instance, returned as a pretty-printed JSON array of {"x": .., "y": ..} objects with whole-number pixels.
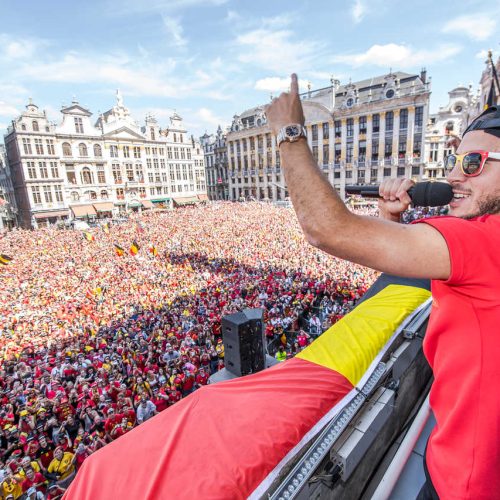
[
  {"x": 187, "y": 200},
  {"x": 203, "y": 197},
  {"x": 147, "y": 204},
  {"x": 135, "y": 204},
  {"x": 161, "y": 200},
  {"x": 83, "y": 210},
  {"x": 106, "y": 206},
  {"x": 46, "y": 215}
]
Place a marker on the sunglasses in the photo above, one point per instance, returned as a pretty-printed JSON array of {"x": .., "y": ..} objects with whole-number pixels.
[{"x": 471, "y": 164}]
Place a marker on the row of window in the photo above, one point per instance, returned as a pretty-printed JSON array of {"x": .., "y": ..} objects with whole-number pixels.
[
  {"x": 39, "y": 146},
  {"x": 50, "y": 193},
  {"x": 42, "y": 170}
]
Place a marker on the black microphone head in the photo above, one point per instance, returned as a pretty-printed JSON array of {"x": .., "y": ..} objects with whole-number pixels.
[{"x": 431, "y": 194}]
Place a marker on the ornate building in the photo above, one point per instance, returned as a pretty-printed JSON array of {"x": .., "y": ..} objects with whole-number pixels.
[
  {"x": 450, "y": 121},
  {"x": 79, "y": 169},
  {"x": 214, "y": 147},
  {"x": 8, "y": 209},
  {"x": 359, "y": 133}
]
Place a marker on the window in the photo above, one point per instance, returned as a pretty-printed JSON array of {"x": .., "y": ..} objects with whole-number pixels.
[
  {"x": 86, "y": 176},
  {"x": 120, "y": 193},
  {"x": 44, "y": 173},
  {"x": 376, "y": 123},
  {"x": 180, "y": 138},
  {"x": 338, "y": 152},
  {"x": 417, "y": 145},
  {"x": 419, "y": 116},
  {"x": 188, "y": 151},
  {"x": 326, "y": 130},
  {"x": 82, "y": 149},
  {"x": 39, "y": 146},
  {"x": 31, "y": 170},
  {"x": 50, "y": 147},
  {"x": 361, "y": 176},
  {"x": 78, "y": 125},
  {"x": 314, "y": 132},
  {"x": 349, "y": 151},
  {"x": 35, "y": 191},
  {"x": 362, "y": 124},
  {"x": 47, "y": 193},
  {"x": 97, "y": 151},
  {"x": 156, "y": 164},
  {"x": 387, "y": 172},
  {"x": 401, "y": 171},
  {"x": 117, "y": 173},
  {"x": 415, "y": 170},
  {"x": 126, "y": 152},
  {"x": 75, "y": 196},
  {"x": 34, "y": 124},
  {"x": 362, "y": 151},
  {"x": 23, "y": 127},
  {"x": 129, "y": 171},
  {"x": 348, "y": 174},
  {"x": 402, "y": 146},
  {"x": 152, "y": 133},
  {"x": 338, "y": 128},
  {"x": 113, "y": 151},
  {"x": 373, "y": 174},
  {"x": 101, "y": 177},
  {"x": 148, "y": 150},
  {"x": 59, "y": 195},
  {"x": 315, "y": 153},
  {"x": 350, "y": 127},
  {"x": 66, "y": 147},
  {"x": 169, "y": 152},
  {"x": 403, "y": 119},
  {"x": 375, "y": 149},
  {"x": 433, "y": 153},
  {"x": 54, "y": 170},
  {"x": 139, "y": 173},
  {"x": 104, "y": 195},
  {"x": 326, "y": 154},
  {"x": 70, "y": 174},
  {"x": 137, "y": 152},
  {"x": 27, "y": 146},
  {"x": 183, "y": 154},
  {"x": 389, "y": 121},
  {"x": 388, "y": 147}
]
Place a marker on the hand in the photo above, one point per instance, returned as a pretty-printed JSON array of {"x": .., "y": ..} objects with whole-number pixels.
[
  {"x": 286, "y": 108},
  {"x": 394, "y": 198}
]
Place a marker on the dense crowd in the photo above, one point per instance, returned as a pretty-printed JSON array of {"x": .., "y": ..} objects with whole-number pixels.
[{"x": 92, "y": 344}]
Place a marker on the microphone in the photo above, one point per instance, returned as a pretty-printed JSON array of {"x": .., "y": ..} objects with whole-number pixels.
[{"x": 422, "y": 194}]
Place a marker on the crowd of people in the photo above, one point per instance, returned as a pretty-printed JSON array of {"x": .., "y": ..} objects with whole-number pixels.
[{"x": 93, "y": 343}]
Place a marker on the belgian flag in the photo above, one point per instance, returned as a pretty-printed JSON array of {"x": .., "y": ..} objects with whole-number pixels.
[
  {"x": 105, "y": 227},
  {"x": 5, "y": 259},
  {"x": 88, "y": 236},
  {"x": 119, "y": 250},
  {"x": 134, "y": 248},
  {"x": 153, "y": 250}
]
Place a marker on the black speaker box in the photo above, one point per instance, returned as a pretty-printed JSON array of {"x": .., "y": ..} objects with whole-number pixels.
[{"x": 243, "y": 336}]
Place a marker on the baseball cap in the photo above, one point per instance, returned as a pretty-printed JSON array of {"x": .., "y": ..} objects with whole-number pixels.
[{"x": 488, "y": 120}]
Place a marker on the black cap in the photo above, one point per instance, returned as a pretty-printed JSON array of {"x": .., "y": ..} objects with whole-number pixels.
[{"x": 488, "y": 120}]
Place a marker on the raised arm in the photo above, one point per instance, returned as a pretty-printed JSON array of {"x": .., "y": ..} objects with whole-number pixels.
[{"x": 412, "y": 251}]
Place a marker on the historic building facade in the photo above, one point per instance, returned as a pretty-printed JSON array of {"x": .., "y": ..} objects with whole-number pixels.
[
  {"x": 359, "y": 133},
  {"x": 450, "y": 121},
  {"x": 8, "y": 209},
  {"x": 215, "y": 150},
  {"x": 81, "y": 169}
]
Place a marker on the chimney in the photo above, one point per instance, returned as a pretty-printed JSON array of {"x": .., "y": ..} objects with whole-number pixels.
[{"x": 423, "y": 75}]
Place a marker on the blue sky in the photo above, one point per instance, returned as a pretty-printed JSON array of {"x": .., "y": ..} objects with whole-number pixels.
[{"x": 211, "y": 59}]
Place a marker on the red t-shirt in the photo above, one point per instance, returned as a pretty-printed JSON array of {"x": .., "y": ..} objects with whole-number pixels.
[{"x": 462, "y": 345}]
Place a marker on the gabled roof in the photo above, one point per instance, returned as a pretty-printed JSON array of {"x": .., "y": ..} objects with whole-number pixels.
[
  {"x": 127, "y": 130},
  {"x": 75, "y": 109}
]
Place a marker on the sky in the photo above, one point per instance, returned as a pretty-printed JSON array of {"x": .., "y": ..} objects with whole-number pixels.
[{"x": 211, "y": 59}]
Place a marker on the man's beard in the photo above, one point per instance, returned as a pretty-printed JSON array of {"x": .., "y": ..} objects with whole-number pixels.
[{"x": 487, "y": 206}]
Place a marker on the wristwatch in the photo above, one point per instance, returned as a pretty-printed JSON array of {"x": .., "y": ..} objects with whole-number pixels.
[{"x": 291, "y": 133}]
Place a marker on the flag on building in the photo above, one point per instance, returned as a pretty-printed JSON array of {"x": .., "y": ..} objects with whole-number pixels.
[
  {"x": 119, "y": 250},
  {"x": 88, "y": 236},
  {"x": 105, "y": 227},
  {"x": 5, "y": 259},
  {"x": 134, "y": 248},
  {"x": 491, "y": 100}
]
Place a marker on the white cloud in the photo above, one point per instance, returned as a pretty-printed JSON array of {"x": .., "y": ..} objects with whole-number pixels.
[
  {"x": 208, "y": 117},
  {"x": 19, "y": 48},
  {"x": 275, "y": 84},
  {"x": 482, "y": 54},
  {"x": 400, "y": 56},
  {"x": 475, "y": 26},
  {"x": 358, "y": 11},
  {"x": 131, "y": 7},
  {"x": 8, "y": 110},
  {"x": 175, "y": 31},
  {"x": 279, "y": 51}
]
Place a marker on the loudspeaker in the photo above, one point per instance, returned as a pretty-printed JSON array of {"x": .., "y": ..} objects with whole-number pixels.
[{"x": 243, "y": 336}]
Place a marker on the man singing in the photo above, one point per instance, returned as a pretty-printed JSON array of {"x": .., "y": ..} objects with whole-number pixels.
[{"x": 459, "y": 254}]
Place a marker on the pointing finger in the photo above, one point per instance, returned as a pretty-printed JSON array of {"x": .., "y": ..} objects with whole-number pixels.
[{"x": 294, "y": 86}]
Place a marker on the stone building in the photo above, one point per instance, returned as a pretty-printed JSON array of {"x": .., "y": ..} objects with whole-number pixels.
[
  {"x": 215, "y": 150},
  {"x": 8, "y": 209},
  {"x": 359, "y": 133},
  {"x": 80, "y": 169}
]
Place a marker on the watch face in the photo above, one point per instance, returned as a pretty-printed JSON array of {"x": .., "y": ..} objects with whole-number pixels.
[{"x": 292, "y": 131}]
